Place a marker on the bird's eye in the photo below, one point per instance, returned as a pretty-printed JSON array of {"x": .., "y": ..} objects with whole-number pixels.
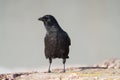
[
  {"x": 45, "y": 18},
  {"x": 48, "y": 20}
]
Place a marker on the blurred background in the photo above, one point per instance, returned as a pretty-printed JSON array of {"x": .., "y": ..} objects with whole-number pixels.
[{"x": 93, "y": 26}]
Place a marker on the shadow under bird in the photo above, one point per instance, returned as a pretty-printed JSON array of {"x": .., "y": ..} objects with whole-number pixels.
[{"x": 57, "y": 41}]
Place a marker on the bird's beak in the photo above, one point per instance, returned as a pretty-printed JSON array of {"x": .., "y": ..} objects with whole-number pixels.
[{"x": 41, "y": 19}]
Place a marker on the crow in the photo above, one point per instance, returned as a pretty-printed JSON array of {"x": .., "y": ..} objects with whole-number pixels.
[{"x": 56, "y": 41}]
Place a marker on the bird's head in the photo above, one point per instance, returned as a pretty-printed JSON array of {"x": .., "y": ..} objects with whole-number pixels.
[{"x": 48, "y": 20}]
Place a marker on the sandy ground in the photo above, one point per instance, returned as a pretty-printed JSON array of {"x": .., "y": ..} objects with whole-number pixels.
[
  {"x": 72, "y": 73},
  {"x": 107, "y": 70}
]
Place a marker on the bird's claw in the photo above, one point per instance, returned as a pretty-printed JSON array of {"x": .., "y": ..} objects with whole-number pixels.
[
  {"x": 49, "y": 71},
  {"x": 63, "y": 71}
]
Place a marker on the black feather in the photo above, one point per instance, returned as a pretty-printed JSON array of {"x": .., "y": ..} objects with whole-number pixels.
[{"x": 57, "y": 41}]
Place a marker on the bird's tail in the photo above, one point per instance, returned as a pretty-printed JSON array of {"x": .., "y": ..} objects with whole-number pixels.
[{"x": 67, "y": 57}]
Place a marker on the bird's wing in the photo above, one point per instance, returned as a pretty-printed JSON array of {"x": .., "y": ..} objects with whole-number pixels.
[{"x": 67, "y": 38}]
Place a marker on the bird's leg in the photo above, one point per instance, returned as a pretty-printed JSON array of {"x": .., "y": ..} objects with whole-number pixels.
[
  {"x": 64, "y": 60},
  {"x": 50, "y": 61}
]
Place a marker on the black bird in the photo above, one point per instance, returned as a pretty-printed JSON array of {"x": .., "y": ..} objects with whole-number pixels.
[{"x": 57, "y": 41}]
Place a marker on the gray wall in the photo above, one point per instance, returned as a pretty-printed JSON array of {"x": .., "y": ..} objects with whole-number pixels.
[{"x": 93, "y": 25}]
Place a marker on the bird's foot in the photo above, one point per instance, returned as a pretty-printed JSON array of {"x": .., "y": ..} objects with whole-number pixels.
[
  {"x": 49, "y": 71},
  {"x": 63, "y": 71}
]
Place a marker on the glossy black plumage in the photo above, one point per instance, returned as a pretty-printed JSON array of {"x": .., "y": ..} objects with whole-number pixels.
[{"x": 57, "y": 41}]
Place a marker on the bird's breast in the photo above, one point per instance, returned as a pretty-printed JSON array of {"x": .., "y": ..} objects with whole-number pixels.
[{"x": 51, "y": 36}]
